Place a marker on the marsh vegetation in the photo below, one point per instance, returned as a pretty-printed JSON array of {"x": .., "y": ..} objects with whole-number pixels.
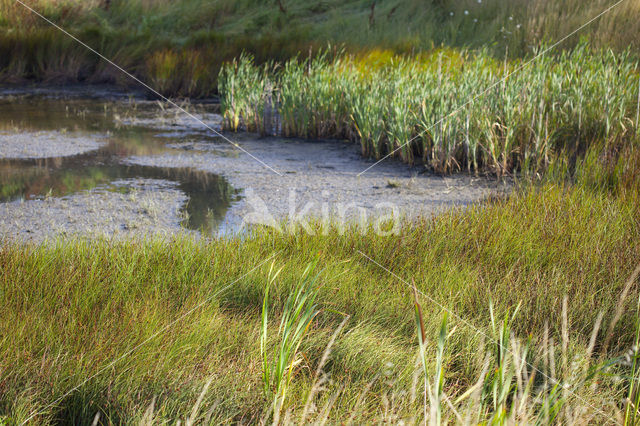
[
  {"x": 518, "y": 310},
  {"x": 451, "y": 110},
  {"x": 178, "y": 46},
  {"x": 542, "y": 324}
]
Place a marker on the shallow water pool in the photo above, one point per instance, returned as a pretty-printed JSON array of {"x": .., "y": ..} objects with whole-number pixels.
[{"x": 109, "y": 131}]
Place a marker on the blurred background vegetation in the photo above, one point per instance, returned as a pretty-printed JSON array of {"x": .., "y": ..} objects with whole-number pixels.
[{"x": 179, "y": 46}]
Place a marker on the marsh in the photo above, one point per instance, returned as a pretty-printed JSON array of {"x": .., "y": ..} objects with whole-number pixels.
[{"x": 69, "y": 157}]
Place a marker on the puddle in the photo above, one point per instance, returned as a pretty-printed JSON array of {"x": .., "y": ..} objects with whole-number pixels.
[
  {"x": 126, "y": 128},
  {"x": 158, "y": 170}
]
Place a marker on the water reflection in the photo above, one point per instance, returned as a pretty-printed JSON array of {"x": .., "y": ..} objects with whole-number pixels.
[{"x": 209, "y": 195}]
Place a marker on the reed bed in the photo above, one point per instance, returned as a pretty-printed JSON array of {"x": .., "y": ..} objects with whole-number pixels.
[{"x": 451, "y": 110}]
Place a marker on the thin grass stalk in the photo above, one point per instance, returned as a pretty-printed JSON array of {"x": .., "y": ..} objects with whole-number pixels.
[
  {"x": 638, "y": 111},
  {"x": 298, "y": 313},
  {"x": 632, "y": 401}
]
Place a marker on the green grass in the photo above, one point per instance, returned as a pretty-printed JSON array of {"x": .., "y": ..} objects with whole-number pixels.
[
  {"x": 452, "y": 110},
  {"x": 72, "y": 308},
  {"x": 540, "y": 289},
  {"x": 298, "y": 314},
  {"x": 178, "y": 46}
]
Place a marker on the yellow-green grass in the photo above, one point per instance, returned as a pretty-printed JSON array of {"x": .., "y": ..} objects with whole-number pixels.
[
  {"x": 450, "y": 109},
  {"x": 70, "y": 309},
  {"x": 178, "y": 46}
]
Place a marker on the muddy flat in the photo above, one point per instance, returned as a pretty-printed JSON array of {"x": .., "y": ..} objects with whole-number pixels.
[
  {"x": 151, "y": 208},
  {"x": 46, "y": 144},
  {"x": 69, "y": 165},
  {"x": 319, "y": 179}
]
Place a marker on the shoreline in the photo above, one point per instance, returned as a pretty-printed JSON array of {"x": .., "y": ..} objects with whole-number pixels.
[{"x": 318, "y": 177}]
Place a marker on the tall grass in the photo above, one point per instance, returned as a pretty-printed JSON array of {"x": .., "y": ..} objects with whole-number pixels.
[
  {"x": 452, "y": 110},
  {"x": 434, "y": 392},
  {"x": 298, "y": 313},
  {"x": 71, "y": 309},
  {"x": 632, "y": 401},
  {"x": 179, "y": 46}
]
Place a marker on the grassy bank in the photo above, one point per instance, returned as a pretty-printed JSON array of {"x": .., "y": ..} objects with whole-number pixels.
[
  {"x": 178, "y": 47},
  {"x": 518, "y": 310},
  {"x": 452, "y": 110},
  {"x": 69, "y": 310}
]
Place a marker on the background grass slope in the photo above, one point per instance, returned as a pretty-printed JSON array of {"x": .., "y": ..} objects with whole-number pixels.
[{"x": 178, "y": 46}]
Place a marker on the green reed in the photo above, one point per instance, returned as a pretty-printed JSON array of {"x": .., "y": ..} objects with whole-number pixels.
[
  {"x": 451, "y": 110},
  {"x": 279, "y": 365}
]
